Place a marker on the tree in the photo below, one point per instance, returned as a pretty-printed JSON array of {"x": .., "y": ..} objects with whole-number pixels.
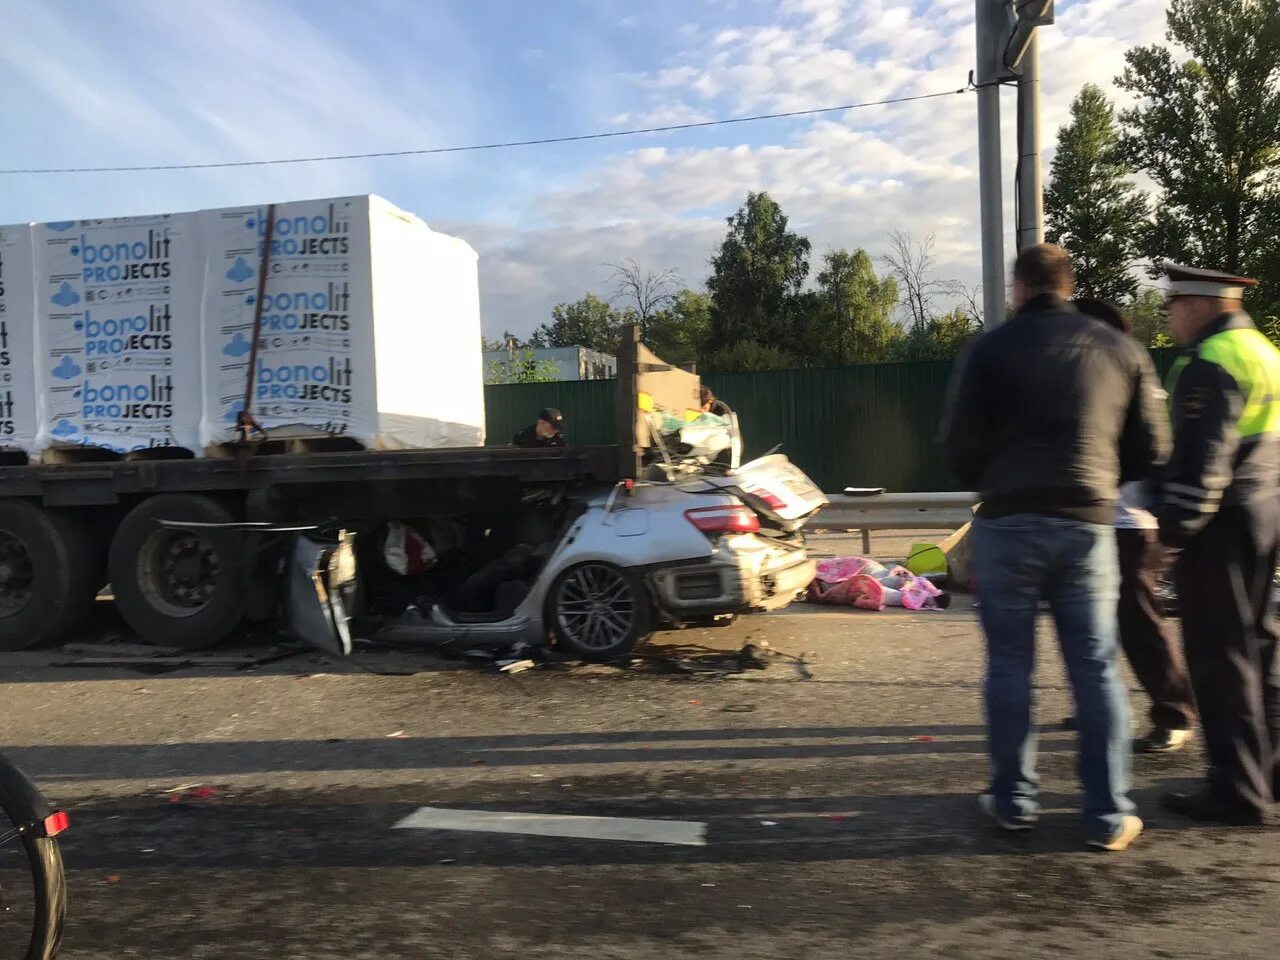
[
  {"x": 1090, "y": 206},
  {"x": 852, "y": 321},
  {"x": 590, "y": 323},
  {"x": 679, "y": 332},
  {"x": 755, "y": 276},
  {"x": 941, "y": 338},
  {"x": 643, "y": 294},
  {"x": 1147, "y": 317},
  {"x": 1206, "y": 128},
  {"x": 912, "y": 264},
  {"x": 521, "y": 366},
  {"x": 748, "y": 356}
]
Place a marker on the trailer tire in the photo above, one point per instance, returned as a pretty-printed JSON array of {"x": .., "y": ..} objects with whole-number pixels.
[
  {"x": 48, "y": 571},
  {"x": 178, "y": 588}
]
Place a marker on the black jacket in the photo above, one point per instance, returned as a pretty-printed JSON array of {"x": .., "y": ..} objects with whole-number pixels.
[
  {"x": 1050, "y": 412},
  {"x": 528, "y": 437}
]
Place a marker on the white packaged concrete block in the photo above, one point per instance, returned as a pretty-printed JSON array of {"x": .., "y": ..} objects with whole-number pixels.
[
  {"x": 17, "y": 316},
  {"x": 118, "y": 333},
  {"x": 370, "y": 327}
]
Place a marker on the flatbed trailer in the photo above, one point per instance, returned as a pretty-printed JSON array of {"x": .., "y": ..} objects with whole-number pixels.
[{"x": 68, "y": 529}]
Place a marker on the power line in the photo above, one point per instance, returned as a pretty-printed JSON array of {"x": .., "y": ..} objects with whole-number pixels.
[{"x": 482, "y": 146}]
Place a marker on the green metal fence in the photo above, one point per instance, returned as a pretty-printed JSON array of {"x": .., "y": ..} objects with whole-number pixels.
[{"x": 872, "y": 425}]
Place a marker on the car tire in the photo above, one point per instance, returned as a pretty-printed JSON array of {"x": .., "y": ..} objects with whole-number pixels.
[
  {"x": 178, "y": 588},
  {"x": 599, "y": 611},
  {"x": 48, "y": 569}
]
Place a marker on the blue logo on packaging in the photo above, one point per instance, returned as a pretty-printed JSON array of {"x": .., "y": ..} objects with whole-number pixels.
[
  {"x": 61, "y": 225},
  {"x": 65, "y": 297},
  {"x": 240, "y": 271},
  {"x": 238, "y": 346},
  {"x": 65, "y": 429},
  {"x": 67, "y": 369}
]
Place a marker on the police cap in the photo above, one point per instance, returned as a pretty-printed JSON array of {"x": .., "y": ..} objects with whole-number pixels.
[{"x": 1194, "y": 282}]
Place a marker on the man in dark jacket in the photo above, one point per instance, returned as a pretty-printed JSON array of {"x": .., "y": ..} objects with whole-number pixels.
[
  {"x": 1219, "y": 505},
  {"x": 546, "y": 431},
  {"x": 1049, "y": 413}
]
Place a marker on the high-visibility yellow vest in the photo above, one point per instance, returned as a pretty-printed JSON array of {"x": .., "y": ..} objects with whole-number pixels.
[{"x": 1254, "y": 363}]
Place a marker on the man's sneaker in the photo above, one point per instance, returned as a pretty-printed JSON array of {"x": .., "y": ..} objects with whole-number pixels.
[
  {"x": 987, "y": 803},
  {"x": 1129, "y": 830},
  {"x": 1161, "y": 740}
]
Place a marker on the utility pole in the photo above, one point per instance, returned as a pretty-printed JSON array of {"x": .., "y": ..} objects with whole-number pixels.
[
  {"x": 1022, "y": 56},
  {"x": 991, "y": 25},
  {"x": 1007, "y": 49}
]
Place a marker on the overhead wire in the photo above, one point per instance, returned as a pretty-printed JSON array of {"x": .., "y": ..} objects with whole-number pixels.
[{"x": 469, "y": 148}]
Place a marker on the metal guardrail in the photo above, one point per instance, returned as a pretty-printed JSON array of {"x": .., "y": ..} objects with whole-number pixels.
[{"x": 895, "y": 511}]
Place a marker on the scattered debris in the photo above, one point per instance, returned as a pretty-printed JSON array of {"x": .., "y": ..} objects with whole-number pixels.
[
  {"x": 397, "y": 735},
  {"x": 117, "y": 649},
  {"x": 515, "y": 666},
  {"x": 189, "y": 794},
  {"x": 161, "y": 660}
]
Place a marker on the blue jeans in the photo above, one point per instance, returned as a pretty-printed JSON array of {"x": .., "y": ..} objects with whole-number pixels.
[{"x": 1019, "y": 561}]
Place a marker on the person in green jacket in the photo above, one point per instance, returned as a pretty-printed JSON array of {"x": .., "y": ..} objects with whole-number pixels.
[{"x": 1220, "y": 506}]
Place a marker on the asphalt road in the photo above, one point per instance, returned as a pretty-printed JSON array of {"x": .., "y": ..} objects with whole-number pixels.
[{"x": 249, "y": 813}]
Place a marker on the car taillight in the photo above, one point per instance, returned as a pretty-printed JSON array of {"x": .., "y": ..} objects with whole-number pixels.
[
  {"x": 770, "y": 499},
  {"x": 56, "y": 824},
  {"x": 734, "y": 519}
]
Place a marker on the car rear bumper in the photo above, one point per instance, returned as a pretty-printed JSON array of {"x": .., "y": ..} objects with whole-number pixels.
[{"x": 744, "y": 573}]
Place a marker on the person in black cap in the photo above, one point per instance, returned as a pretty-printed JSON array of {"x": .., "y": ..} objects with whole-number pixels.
[
  {"x": 1149, "y": 645},
  {"x": 1219, "y": 504},
  {"x": 547, "y": 431}
]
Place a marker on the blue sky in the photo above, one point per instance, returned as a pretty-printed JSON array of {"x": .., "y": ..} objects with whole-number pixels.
[{"x": 156, "y": 81}]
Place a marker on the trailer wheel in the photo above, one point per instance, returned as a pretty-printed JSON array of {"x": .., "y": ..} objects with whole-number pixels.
[
  {"x": 178, "y": 588},
  {"x": 599, "y": 611},
  {"x": 47, "y": 574}
]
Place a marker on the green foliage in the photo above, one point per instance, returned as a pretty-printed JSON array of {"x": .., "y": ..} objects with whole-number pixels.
[
  {"x": 523, "y": 366},
  {"x": 591, "y": 322},
  {"x": 1090, "y": 207},
  {"x": 941, "y": 338},
  {"x": 756, "y": 275},
  {"x": 1206, "y": 128},
  {"x": 851, "y": 318},
  {"x": 747, "y": 356},
  {"x": 679, "y": 333},
  {"x": 1147, "y": 316},
  {"x": 756, "y": 314},
  {"x": 1271, "y": 327}
]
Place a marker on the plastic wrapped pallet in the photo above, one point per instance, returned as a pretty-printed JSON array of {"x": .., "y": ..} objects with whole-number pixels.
[
  {"x": 370, "y": 327},
  {"x": 17, "y": 379},
  {"x": 118, "y": 333}
]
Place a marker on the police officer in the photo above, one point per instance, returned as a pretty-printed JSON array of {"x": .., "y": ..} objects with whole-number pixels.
[{"x": 1219, "y": 504}]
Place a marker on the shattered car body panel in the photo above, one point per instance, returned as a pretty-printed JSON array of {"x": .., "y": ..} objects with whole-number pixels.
[{"x": 320, "y": 593}]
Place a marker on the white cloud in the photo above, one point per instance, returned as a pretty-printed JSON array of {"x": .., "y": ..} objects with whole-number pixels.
[
  {"x": 223, "y": 91},
  {"x": 250, "y": 83},
  {"x": 844, "y": 180}
]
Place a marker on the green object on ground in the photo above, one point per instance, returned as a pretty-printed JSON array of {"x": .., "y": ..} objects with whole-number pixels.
[{"x": 926, "y": 558}]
